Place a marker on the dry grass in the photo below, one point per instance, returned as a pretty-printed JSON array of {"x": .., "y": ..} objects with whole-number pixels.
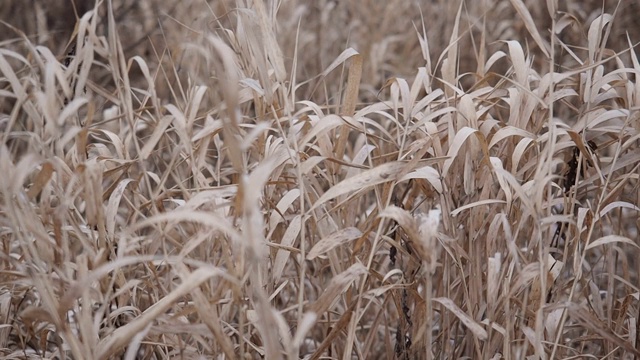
[{"x": 320, "y": 179}]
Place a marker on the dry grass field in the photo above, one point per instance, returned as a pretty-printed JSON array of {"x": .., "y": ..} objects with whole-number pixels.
[{"x": 319, "y": 179}]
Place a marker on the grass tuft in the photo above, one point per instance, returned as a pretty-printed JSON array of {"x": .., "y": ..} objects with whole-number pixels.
[{"x": 319, "y": 180}]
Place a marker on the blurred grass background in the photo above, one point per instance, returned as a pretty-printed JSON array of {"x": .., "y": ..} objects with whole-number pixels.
[{"x": 384, "y": 32}]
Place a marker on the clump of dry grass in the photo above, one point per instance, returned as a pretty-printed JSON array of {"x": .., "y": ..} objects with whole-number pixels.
[{"x": 236, "y": 195}]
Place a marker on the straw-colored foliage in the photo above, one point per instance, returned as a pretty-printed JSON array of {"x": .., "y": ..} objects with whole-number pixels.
[{"x": 319, "y": 179}]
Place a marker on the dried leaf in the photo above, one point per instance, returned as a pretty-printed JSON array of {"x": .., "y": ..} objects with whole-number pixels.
[
  {"x": 610, "y": 239},
  {"x": 521, "y": 9},
  {"x": 288, "y": 239},
  {"x": 114, "y": 203},
  {"x": 337, "y": 286},
  {"x": 378, "y": 175},
  {"x": 471, "y": 324},
  {"x": 334, "y": 240},
  {"x": 43, "y": 177}
]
